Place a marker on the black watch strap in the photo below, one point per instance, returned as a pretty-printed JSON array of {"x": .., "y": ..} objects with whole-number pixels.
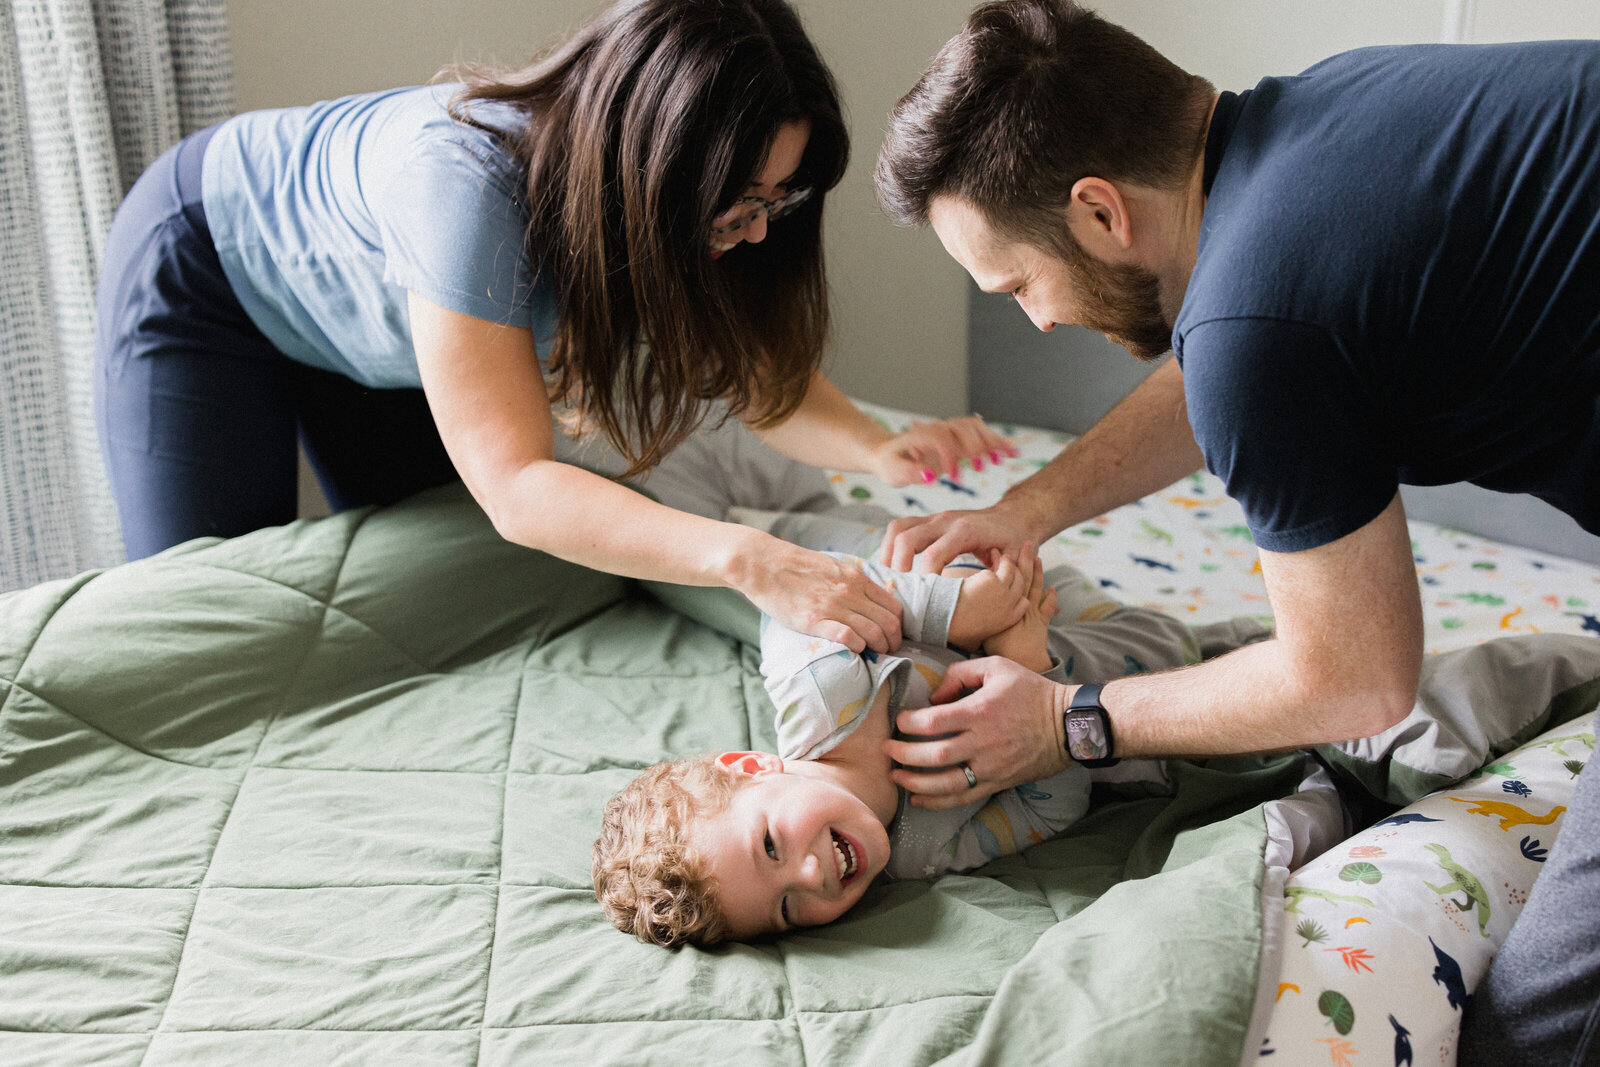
[{"x": 1086, "y": 713}]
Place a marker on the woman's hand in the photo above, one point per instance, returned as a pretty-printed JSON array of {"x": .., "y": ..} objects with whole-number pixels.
[
  {"x": 930, "y": 449},
  {"x": 816, "y": 594}
]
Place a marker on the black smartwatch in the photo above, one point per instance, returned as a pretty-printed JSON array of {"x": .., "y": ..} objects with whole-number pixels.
[{"x": 1087, "y": 728}]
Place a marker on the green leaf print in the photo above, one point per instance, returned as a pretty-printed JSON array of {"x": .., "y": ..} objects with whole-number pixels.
[
  {"x": 1486, "y": 599},
  {"x": 1574, "y": 765},
  {"x": 861, "y": 492},
  {"x": 1365, "y": 873},
  {"x": 1311, "y": 930},
  {"x": 1337, "y": 1007},
  {"x": 1155, "y": 532}
]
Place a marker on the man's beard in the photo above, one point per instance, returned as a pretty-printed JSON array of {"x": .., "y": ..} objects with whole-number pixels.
[{"x": 1121, "y": 301}]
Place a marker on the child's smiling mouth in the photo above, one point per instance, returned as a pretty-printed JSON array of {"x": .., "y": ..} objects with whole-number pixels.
[{"x": 846, "y": 856}]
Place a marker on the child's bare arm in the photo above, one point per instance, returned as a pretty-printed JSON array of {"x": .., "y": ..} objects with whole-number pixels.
[
  {"x": 993, "y": 599},
  {"x": 1027, "y": 640}
]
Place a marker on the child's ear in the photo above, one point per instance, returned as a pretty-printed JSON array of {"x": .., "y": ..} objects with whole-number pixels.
[{"x": 751, "y": 763}]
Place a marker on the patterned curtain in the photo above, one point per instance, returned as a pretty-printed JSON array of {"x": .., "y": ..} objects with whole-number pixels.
[{"x": 91, "y": 91}]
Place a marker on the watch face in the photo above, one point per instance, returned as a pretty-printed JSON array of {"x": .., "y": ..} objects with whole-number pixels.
[{"x": 1086, "y": 736}]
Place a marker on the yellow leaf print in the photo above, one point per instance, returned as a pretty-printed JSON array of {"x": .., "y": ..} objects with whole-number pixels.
[
  {"x": 848, "y": 713},
  {"x": 932, "y": 677},
  {"x": 995, "y": 820},
  {"x": 1096, "y": 612}
]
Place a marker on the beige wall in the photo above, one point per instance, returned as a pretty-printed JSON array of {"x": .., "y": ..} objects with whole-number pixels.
[
  {"x": 1237, "y": 42},
  {"x": 899, "y": 301}
]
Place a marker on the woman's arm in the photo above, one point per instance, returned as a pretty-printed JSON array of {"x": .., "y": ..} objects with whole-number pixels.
[
  {"x": 488, "y": 399},
  {"x": 828, "y": 430},
  {"x": 1142, "y": 445}
]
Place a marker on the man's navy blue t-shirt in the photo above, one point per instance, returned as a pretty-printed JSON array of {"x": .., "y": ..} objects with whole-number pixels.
[{"x": 1398, "y": 280}]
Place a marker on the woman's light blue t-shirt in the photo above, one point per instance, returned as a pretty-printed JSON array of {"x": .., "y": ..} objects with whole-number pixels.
[{"x": 325, "y": 216}]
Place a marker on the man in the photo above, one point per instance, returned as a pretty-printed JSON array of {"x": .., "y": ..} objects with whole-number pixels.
[{"x": 1384, "y": 270}]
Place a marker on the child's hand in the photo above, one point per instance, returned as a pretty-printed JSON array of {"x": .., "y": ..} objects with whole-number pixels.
[
  {"x": 991, "y": 600},
  {"x": 1027, "y": 641}
]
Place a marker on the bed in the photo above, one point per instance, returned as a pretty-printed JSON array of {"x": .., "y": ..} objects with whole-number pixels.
[{"x": 325, "y": 794}]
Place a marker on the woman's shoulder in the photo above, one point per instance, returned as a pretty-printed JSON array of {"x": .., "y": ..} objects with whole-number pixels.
[{"x": 433, "y": 122}]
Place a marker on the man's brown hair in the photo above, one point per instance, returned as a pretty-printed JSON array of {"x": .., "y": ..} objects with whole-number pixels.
[
  {"x": 1028, "y": 98},
  {"x": 647, "y": 876}
]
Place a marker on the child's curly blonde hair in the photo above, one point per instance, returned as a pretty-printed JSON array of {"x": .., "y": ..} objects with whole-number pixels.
[{"x": 649, "y": 879}]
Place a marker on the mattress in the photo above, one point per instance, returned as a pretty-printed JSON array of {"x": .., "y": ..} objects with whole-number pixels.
[{"x": 325, "y": 794}]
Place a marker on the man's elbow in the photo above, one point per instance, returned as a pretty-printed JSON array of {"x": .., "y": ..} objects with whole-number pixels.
[
  {"x": 1386, "y": 707},
  {"x": 1369, "y": 707},
  {"x": 1358, "y": 700}
]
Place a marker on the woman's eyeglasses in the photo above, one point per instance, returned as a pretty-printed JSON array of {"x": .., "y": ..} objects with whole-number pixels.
[{"x": 746, "y": 210}]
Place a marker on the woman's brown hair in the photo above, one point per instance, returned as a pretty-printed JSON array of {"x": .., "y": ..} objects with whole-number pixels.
[{"x": 643, "y": 127}]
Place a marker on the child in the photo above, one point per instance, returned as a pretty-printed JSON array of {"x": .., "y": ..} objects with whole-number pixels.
[{"x": 743, "y": 844}]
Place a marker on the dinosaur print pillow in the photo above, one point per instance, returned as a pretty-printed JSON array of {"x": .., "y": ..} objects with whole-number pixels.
[{"x": 1385, "y": 936}]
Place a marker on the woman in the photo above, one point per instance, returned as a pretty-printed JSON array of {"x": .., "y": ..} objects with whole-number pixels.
[{"x": 592, "y": 260}]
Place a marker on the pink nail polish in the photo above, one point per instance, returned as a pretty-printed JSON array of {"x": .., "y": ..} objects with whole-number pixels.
[
  {"x": 994, "y": 457},
  {"x": 927, "y": 476},
  {"x": 977, "y": 464}
]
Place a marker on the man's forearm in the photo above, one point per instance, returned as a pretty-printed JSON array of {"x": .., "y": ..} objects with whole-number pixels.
[
  {"x": 1141, "y": 445},
  {"x": 1250, "y": 700}
]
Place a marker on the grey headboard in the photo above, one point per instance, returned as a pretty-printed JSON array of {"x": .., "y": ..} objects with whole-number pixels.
[{"x": 1066, "y": 379}]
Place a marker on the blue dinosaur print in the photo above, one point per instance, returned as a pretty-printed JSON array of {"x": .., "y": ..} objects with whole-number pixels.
[
  {"x": 1590, "y": 623},
  {"x": 957, "y": 486},
  {"x": 1132, "y": 666},
  {"x": 1153, "y": 564},
  {"x": 1448, "y": 974},
  {"x": 1107, "y": 583},
  {"x": 1405, "y": 817},
  {"x": 915, "y": 504},
  {"x": 1402, "y": 1042},
  {"x": 1521, "y": 789},
  {"x": 1531, "y": 850}
]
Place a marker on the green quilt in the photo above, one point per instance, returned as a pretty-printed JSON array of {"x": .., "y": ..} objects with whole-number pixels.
[{"x": 325, "y": 794}]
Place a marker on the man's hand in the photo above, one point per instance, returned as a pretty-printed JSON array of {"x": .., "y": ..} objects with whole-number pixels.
[
  {"x": 929, "y": 449},
  {"x": 942, "y": 537},
  {"x": 1008, "y": 731}
]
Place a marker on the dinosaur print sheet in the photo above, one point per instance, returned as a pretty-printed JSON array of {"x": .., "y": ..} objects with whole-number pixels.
[
  {"x": 1187, "y": 550},
  {"x": 1372, "y": 948},
  {"x": 1384, "y": 935}
]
